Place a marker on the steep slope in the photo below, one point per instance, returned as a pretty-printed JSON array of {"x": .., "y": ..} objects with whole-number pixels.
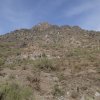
[{"x": 53, "y": 62}]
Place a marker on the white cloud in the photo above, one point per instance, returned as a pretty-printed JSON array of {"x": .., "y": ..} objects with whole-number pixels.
[
  {"x": 16, "y": 18},
  {"x": 42, "y": 10},
  {"x": 92, "y": 21},
  {"x": 81, "y": 8},
  {"x": 90, "y": 10}
]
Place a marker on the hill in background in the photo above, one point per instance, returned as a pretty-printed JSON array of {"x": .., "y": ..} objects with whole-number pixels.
[{"x": 50, "y": 62}]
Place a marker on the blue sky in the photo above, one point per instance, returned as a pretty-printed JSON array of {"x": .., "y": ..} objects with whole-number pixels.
[{"x": 16, "y": 14}]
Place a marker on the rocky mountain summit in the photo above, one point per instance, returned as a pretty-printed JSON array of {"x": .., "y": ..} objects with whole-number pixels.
[{"x": 50, "y": 62}]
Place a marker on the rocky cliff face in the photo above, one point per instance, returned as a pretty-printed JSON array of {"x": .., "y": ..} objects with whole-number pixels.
[{"x": 53, "y": 62}]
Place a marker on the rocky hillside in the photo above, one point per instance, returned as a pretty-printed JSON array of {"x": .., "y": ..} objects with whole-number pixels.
[{"x": 50, "y": 62}]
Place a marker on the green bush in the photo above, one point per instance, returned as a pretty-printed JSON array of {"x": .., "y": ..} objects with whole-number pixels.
[
  {"x": 44, "y": 64},
  {"x": 57, "y": 91},
  {"x": 13, "y": 91},
  {"x": 1, "y": 61}
]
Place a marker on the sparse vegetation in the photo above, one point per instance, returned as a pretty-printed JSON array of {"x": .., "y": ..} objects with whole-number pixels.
[
  {"x": 49, "y": 61},
  {"x": 34, "y": 82},
  {"x": 11, "y": 77},
  {"x": 12, "y": 91},
  {"x": 2, "y": 61},
  {"x": 44, "y": 64},
  {"x": 57, "y": 91},
  {"x": 74, "y": 95}
]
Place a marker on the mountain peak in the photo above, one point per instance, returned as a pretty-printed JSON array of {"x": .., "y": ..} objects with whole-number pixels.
[{"x": 42, "y": 26}]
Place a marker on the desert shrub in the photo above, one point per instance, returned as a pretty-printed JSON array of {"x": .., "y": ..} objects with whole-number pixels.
[
  {"x": 61, "y": 76},
  {"x": 12, "y": 91},
  {"x": 57, "y": 91},
  {"x": 11, "y": 77},
  {"x": 74, "y": 95},
  {"x": 11, "y": 66},
  {"x": 43, "y": 55},
  {"x": 44, "y": 64},
  {"x": 23, "y": 45},
  {"x": 34, "y": 82},
  {"x": 1, "y": 61}
]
